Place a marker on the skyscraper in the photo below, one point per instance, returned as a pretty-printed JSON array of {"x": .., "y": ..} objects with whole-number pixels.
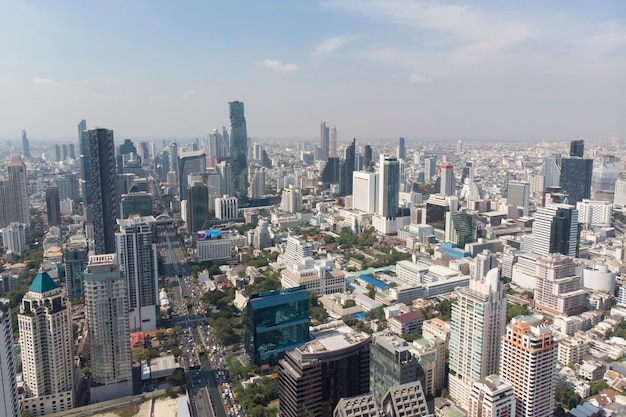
[
  {"x": 447, "y": 180},
  {"x": 555, "y": 230},
  {"x": 483, "y": 263},
  {"x": 17, "y": 193},
  {"x": 346, "y": 169},
  {"x": 333, "y": 142},
  {"x": 82, "y": 126},
  {"x": 189, "y": 163},
  {"x": 367, "y": 157},
  {"x": 559, "y": 290},
  {"x": 106, "y": 310},
  {"x": 529, "y": 356},
  {"x": 9, "y": 404},
  {"x": 401, "y": 151},
  {"x": 478, "y": 321},
  {"x": 25, "y": 145},
  {"x": 46, "y": 343},
  {"x": 576, "y": 175},
  {"x": 238, "y": 150},
  {"x": 518, "y": 194},
  {"x": 388, "y": 201},
  {"x": 53, "y": 206},
  {"x": 100, "y": 200},
  {"x": 197, "y": 206},
  {"x": 577, "y": 148},
  {"x": 365, "y": 191},
  {"x": 429, "y": 168},
  {"x": 324, "y": 141},
  {"x": 75, "y": 261},
  {"x": 137, "y": 257},
  {"x": 173, "y": 153},
  {"x": 461, "y": 227}
]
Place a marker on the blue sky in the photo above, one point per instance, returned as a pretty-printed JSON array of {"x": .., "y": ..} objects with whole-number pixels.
[{"x": 374, "y": 68}]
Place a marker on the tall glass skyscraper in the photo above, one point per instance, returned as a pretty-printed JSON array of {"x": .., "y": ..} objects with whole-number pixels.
[
  {"x": 388, "y": 202},
  {"x": 238, "y": 150}
]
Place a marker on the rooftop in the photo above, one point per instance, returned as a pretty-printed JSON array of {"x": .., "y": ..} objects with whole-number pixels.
[{"x": 42, "y": 283}]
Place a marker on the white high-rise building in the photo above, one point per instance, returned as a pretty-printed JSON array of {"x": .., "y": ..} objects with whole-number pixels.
[
  {"x": 291, "y": 201},
  {"x": 46, "y": 342},
  {"x": 106, "y": 310},
  {"x": 594, "y": 213},
  {"x": 518, "y": 194},
  {"x": 492, "y": 397},
  {"x": 528, "y": 362},
  {"x": 484, "y": 262},
  {"x": 14, "y": 238},
  {"x": 555, "y": 230},
  {"x": 9, "y": 404},
  {"x": 478, "y": 321},
  {"x": 137, "y": 257},
  {"x": 297, "y": 252},
  {"x": 365, "y": 191},
  {"x": 226, "y": 208},
  {"x": 17, "y": 198}
]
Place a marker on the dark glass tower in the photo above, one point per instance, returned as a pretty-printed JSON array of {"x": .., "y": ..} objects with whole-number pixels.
[
  {"x": 389, "y": 187},
  {"x": 576, "y": 178},
  {"x": 577, "y": 148},
  {"x": 25, "y": 145},
  {"x": 346, "y": 169},
  {"x": 100, "y": 201},
  {"x": 238, "y": 150},
  {"x": 275, "y": 323},
  {"x": 197, "y": 206},
  {"x": 53, "y": 206}
]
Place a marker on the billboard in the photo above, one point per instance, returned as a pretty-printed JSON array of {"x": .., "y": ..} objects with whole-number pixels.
[{"x": 209, "y": 235}]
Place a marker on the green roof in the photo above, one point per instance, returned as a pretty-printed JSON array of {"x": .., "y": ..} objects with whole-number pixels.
[{"x": 42, "y": 283}]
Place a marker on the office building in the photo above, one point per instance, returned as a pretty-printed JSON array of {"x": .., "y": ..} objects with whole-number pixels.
[
  {"x": 391, "y": 363},
  {"x": 389, "y": 186},
  {"x": 401, "y": 150},
  {"x": 518, "y": 194},
  {"x": 218, "y": 147},
  {"x": 189, "y": 163},
  {"x": 430, "y": 165},
  {"x": 106, "y": 311},
  {"x": 82, "y": 126},
  {"x": 257, "y": 185},
  {"x": 261, "y": 238},
  {"x": 137, "y": 257},
  {"x": 619, "y": 198},
  {"x": 226, "y": 179},
  {"x": 238, "y": 150},
  {"x": 226, "y": 208},
  {"x": 75, "y": 260},
  {"x": 492, "y": 397},
  {"x": 551, "y": 171},
  {"x": 197, "y": 206},
  {"x": 9, "y": 403},
  {"x": 555, "y": 230},
  {"x": 324, "y": 142},
  {"x": 367, "y": 157},
  {"x": 334, "y": 364},
  {"x": 25, "y": 145},
  {"x": 100, "y": 199},
  {"x": 347, "y": 168},
  {"x": 68, "y": 187},
  {"x": 365, "y": 191},
  {"x": 53, "y": 206},
  {"x": 431, "y": 356},
  {"x": 576, "y": 174},
  {"x": 16, "y": 198},
  {"x": 577, "y": 148},
  {"x": 46, "y": 343},
  {"x": 333, "y": 142},
  {"x": 606, "y": 171},
  {"x": 275, "y": 323},
  {"x": 213, "y": 245},
  {"x": 478, "y": 322},
  {"x": 447, "y": 180},
  {"x": 136, "y": 203},
  {"x": 461, "y": 227},
  {"x": 559, "y": 290},
  {"x": 529, "y": 356},
  {"x": 291, "y": 201}
]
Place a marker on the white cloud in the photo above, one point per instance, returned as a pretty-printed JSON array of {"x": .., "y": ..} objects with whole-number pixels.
[
  {"x": 416, "y": 78},
  {"x": 279, "y": 66},
  {"x": 331, "y": 45},
  {"x": 190, "y": 93},
  {"x": 48, "y": 81}
]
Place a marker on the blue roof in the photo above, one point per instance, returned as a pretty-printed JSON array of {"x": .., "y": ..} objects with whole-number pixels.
[
  {"x": 42, "y": 283},
  {"x": 452, "y": 250},
  {"x": 374, "y": 281}
]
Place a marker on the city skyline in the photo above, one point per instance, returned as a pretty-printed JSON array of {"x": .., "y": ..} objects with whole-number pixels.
[{"x": 430, "y": 69}]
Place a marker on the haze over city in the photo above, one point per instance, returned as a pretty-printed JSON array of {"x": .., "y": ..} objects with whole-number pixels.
[{"x": 375, "y": 69}]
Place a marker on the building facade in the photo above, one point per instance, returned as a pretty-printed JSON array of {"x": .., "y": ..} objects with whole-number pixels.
[
  {"x": 238, "y": 150},
  {"x": 555, "y": 230},
  {"x": 9, "y": 402}
]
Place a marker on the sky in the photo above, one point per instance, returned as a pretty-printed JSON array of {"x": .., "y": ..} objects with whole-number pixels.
[{"x": 375, "y": 69}]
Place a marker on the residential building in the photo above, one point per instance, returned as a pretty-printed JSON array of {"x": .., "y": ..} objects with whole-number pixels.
[
  {"x": 559, "y": 290},
  {"x": 100, "y": 199},
  {"x": 407, "y": 323},
  {"x": 431, "y": 356},
  {"x": 106, "y": 311},
  {"x": 238, "y": 150},
  {"x": 478, "y": 322},
  {"x": 137, "y": 257},
  {"x": 226, "y": 208},
  {"x": 14, "y": 238},
  {"x": 15, "y": 200},
  {"x": 594, "y": 213},
  {"x": 75, "y": 260},
  {"x": 528, "y": 362},
  {"x": 9, "y": 401},
  {"x": 291, "y": 201},
  {"x": 46, "y": 343},
  {"x": 492, "y": 397}
]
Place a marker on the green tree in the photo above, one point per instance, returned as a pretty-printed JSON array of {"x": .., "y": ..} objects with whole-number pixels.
[
  {"x": 514, "y": 310},
  {"x": 371, "y": 291},
  {"x": 597, "y": 387}
]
